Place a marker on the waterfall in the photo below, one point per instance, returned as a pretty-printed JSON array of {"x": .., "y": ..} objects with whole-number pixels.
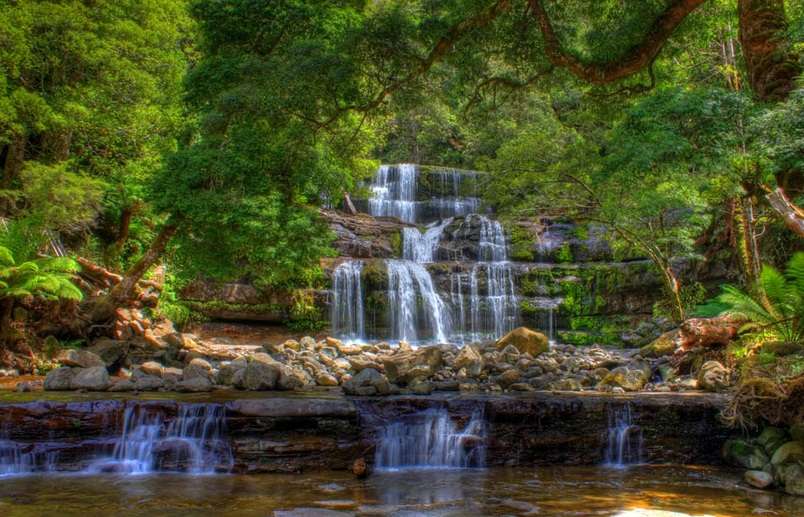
[
  {"x": 347, "y": 315},
  {"x": 496, "y": 311},
  {"x": 20, "y": 459},
  {"x": 393, "y": 192},
  {"x": 624, "y": 438},
  {"x": 194, "y": 441},
  {"x": 430, "y": 439},
  {"x": 409, "y": 283},
  {"x": 421, "y": 247}
]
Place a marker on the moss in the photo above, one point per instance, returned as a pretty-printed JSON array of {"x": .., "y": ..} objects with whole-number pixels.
[
  {"x": 527, "y": 309},
  {"x": 521, "y": 242},
  {"x": 304, "y": 314},
  {"x": 374, "y": 275},
  {"x": 565, "y": 253},
  {"x": 395, "y": 239}
]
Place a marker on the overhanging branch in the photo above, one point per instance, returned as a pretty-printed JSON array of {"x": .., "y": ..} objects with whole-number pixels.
[{"x": 635, "y": 60}]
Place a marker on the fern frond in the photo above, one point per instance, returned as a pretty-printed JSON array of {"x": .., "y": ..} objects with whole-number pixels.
[{"x": 6, "y": 257}]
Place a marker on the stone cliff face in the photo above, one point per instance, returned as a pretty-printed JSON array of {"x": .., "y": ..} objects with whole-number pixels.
[{"x": 556, "y": 275}]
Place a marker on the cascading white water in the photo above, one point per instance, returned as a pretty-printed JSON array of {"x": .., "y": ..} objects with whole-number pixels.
[
  {"x": 19, "y": 459},
  {"x": 347, "y": 315},
  {"x": 194, "y": 442},
  {"x": 495, "y": 312},
  {"x": 409, "y": 283},
  {"x": 393, "y": 192},
  {"x": 430, "y": 439},
  {"x": 624, "y": 438},
  {"x": 421, "y": 247}
]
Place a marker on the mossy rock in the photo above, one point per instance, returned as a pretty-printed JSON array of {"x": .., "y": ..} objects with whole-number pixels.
[
  {"x": 772, "y": 438},
  {"x": 790, "y": 452},
  {"x": 741, "y": 453},
  {"x": 661, "y": 346}
]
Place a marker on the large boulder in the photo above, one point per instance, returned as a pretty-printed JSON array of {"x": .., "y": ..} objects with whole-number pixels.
[
  {"x": 79, "y": 358},
  {"x": 198, "y": 368},
  {"x": 194, "y": 385},
  {"x": 422, "y": 363},
  {"x": 95, "y": 378},
  {"x": 59, "y": 379},
  {"x": 772, "y": 438},
  {"x": 713, "y": 376},
  {"x": 367, "y": 383},
  {"x": 525, "y": 340},
  {"x": 791, "y": 475}
]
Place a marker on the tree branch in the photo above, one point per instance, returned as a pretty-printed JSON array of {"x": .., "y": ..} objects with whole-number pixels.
[
  {"x": 636, "y": 59},
  {"x": 792, "y": 216}
]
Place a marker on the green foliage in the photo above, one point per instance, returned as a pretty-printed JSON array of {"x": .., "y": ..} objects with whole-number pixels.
[
  {"x": 304, "y": 314},
  {"x": 46, "y": 278},
  {"x": 777, "y": 310}
]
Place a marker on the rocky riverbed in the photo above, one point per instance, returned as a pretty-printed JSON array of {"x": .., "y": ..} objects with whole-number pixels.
[{"x": 521, "y": 361}]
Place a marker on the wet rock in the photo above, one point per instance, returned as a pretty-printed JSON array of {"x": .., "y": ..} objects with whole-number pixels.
[
  {"x": 122, "y": 385},
  {"x": 261, "y": 373},
  {"x": 59, "y": 379},
  {"x": 151, "y": 368},
  {"x": 744, "y": 454},
  {"x": 111, "y": 352},
  {"x": 366, "y": 383},
  {"x": 360, "y": 468},
  {"x": 713, "y": 376},
  {"x": 79, "y": 358},
  {"x": 628, "y": 378},
  {"x": 95, "y": 378},
  {"x": 307, "y": 343},
  {"x": 406, "y": 366},
  {"x": 566, "y": 384},
  {"x": 509, "y": 377},
  {"x": 326, "y": 379},
  {"x": 521, "y": 386},
  {"x": 772, "y": 438},
  {"x": 788, "y": 453},
  {"x": 758, "y": 478},
  {"x": 525, "y": 340},
  {"x": 470, "y": 359},
  {"x": 291, "y": 378},
  {"x": 198, "y": 368},
  {"x": 194, "y": 385},
  {"x": 360, "y": 363},
  {"x": 665, "y": 344},
  {"x": 144, "y": 382},
  {"x": 172, "y": 375},
  {"x": 791, "y": 475},
  {"x": 227, "y": 371},
  {"x": 420, "y": 387}
]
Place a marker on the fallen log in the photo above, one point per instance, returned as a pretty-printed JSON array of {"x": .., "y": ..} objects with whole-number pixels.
[{"x": 706, "y": 332}]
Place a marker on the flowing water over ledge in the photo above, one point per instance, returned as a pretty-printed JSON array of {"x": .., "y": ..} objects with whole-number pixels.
[{"x": 580, "y": 491}]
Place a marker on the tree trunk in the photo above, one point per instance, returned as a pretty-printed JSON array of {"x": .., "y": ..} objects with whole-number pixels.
[
  {"x": 771, "y": 62},
  {"x": 14, "y": 161},
  {"x": 792, "y": 215},
  {"x": 348, "y": 205},
  {"x": 125, "y": 225},
  {"x": 125, "y": 289},
  {"x": 752, "y": 263}
]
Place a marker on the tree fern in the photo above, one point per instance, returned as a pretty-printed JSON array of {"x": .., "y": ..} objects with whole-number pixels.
[
  {"x": 779, "y": 308},
  {"x": 46, "y": 278}
]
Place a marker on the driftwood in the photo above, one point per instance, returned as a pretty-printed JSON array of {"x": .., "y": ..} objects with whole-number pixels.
[
  {"x": 792, "y": 215},
  {"x": 706, "y": 333}
]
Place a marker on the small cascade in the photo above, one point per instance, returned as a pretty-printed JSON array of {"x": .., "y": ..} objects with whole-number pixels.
[
  {"x": 408, "y": 284},
  {"x": 430, "y": 439},
  {"x": 19, "y": 459},
  {"x": 421, "y": 247},
  {"x": 393, "y": 192},
  {"x": 194, "y": 442},
  {"x": 624, "y": 438},
  {"x": 347, "y": 315}
]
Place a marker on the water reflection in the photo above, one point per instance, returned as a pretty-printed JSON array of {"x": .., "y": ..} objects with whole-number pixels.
[{"x": 634, "y": 492}]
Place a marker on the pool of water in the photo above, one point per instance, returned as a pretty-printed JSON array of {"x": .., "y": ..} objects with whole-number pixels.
[{"x": 631, "y": 492}]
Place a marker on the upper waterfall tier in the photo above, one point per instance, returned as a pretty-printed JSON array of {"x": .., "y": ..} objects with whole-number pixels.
[{"x": 417, "y": 194}]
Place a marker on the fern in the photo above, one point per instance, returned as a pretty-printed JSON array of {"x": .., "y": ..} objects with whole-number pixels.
[
  {"x": 779, "y": 308},
  {"x": 46, "y": 278}
]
